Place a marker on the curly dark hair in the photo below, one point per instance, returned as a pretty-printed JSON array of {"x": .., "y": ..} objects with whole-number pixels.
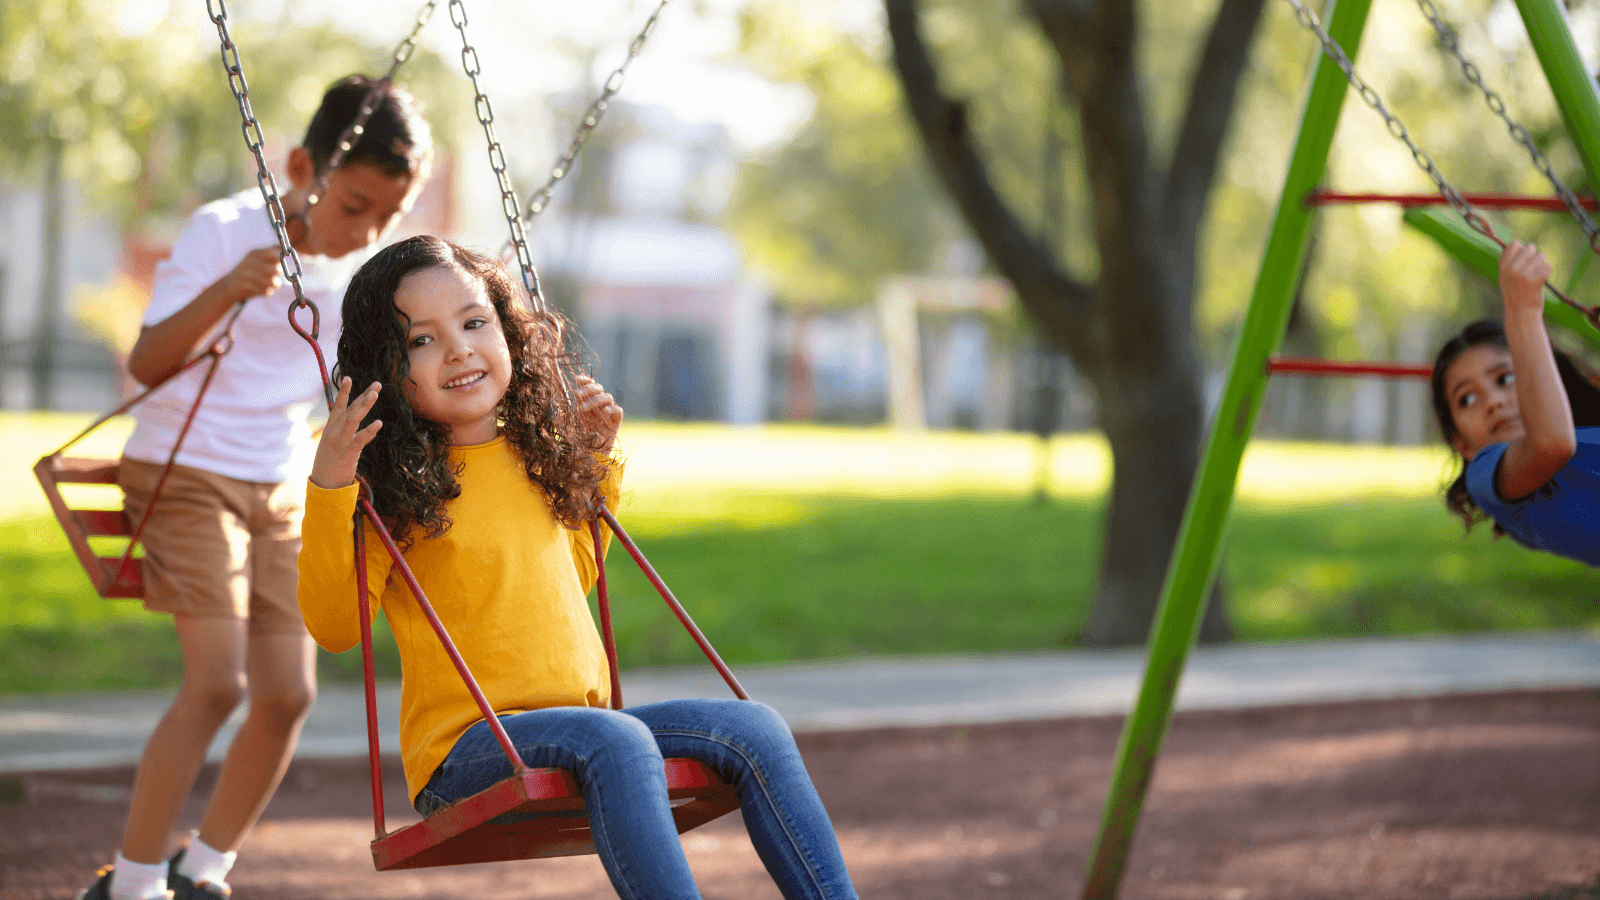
[
  {"x": 1582, "y": 396},
  {"x": 408, "y": 464}
]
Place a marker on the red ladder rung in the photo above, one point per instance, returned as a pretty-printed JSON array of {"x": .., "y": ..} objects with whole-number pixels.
[
  {"x": 1485, "y": 199},
  {"x": 1300, "y": 366}
]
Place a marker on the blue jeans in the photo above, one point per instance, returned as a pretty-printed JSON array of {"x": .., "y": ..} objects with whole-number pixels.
[{"x": 616, "y": 758}]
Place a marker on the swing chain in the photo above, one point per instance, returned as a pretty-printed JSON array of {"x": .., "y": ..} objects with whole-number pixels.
[
  {"x": 1398, "y": 129},
  {"x": 352, "y": 133},
  {"x": 591, "y": 118},
  {"x": 1392, "y": 122},
  {"x": 497, "y": 158},
  {"x": 288, "y": 260},
  {"x": 1451, "y": 41}
]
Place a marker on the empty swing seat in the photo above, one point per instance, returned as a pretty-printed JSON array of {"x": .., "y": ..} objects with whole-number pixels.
[
  {"x": 107, "y": 573},
  {"x": 472, "y": 829}
]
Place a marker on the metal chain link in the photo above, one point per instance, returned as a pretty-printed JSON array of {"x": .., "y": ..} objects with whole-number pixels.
[
  {"x": 591, "y": 118},
  {"x": 1452, "y": 42},
  {"x": 1391, "y": 121},
  {"x": 369, "y": 103},
  {"x": 497, "y": 158},
  {"x": 288, "y": 259},
  {"x": 1423, "y": 160}
]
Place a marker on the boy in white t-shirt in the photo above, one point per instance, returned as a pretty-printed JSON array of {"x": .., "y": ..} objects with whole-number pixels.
[{"x": 222, "y": 542}]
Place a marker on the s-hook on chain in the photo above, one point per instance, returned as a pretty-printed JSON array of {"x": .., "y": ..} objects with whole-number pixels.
[
  {"x": 1423, "y": 160},
  {"x": 1452, "y": 42}
]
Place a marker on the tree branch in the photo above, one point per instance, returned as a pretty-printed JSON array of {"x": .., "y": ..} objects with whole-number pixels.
[
  {"x": 1032, "y": 268},
  {"x": 1212, "y": 95},
  {"x": 1095, "y": 42}
]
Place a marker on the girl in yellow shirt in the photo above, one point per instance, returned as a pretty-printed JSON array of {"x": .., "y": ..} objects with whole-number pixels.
[{"x": 486, "y": 476}]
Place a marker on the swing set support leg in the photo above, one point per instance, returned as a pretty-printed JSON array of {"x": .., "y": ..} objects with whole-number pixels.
[
  {"x": 1194, "y": 560},
  {"x": 1574, "y": 90}
]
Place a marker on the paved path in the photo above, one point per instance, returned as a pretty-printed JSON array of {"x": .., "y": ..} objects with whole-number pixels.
[{"x": 88, "y": 730}]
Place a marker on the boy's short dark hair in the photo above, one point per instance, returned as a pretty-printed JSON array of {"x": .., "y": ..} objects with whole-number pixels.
[{"x": 396, "y": 140}]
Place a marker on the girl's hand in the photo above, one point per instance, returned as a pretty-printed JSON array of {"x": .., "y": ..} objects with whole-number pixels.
[
  {"x": 1523, "y": 272},
  {"x": 599, "y": 409},
  {"x": 343, "y": 438}
]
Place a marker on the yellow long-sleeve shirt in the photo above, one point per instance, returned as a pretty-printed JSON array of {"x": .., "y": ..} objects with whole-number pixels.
[{"x": 508, "y": 581}]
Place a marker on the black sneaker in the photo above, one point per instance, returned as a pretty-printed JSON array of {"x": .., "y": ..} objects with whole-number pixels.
[
  {"x": 101, "y": 889},
  {"x": 182, "y": 887}
]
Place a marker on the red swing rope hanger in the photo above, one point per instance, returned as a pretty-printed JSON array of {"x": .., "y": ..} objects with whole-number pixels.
[
  {"x": 1425, "y": 162},
  {"x": 419, "y": 839}
]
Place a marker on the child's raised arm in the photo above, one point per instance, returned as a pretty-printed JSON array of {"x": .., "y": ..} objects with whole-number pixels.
[
  {"x": 1548, "y": 439},
  {"x": 327, "y": 559},
  {"x": 343, "y": 439}
]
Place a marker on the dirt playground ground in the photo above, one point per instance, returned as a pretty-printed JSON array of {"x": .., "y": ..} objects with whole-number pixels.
[{"x": 1493, "y": 796}]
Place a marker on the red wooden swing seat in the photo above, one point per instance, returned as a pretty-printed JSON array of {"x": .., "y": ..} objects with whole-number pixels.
[
  {"x": 112, "y": 576},
  {"x": 476, "y": 829},
  {"x": 119, "y": 576},
  {"x": 471, "y": 830}
]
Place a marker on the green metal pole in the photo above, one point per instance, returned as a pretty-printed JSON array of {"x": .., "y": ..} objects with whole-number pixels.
[
  {"x": 1480, "y": 254},
  {"x": 1194, "y": 560},
  {"x": 1574, "y": 90}
]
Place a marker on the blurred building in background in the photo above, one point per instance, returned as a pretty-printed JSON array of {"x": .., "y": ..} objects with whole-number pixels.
[
  {"x": 83, "y": 367},
  {"x": 679, "y": 328}
]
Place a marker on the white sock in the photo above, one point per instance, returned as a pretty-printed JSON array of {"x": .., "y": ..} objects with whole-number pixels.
[
  {"x": 138, "y": 881},
  {"x": 202, "y": 862}
]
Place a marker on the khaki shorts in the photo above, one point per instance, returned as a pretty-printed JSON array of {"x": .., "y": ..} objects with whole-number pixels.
[{"x": 218, "y": 547}]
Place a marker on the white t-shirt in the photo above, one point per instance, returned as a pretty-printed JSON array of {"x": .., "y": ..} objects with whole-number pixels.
[{"x": 254, "y": 421}]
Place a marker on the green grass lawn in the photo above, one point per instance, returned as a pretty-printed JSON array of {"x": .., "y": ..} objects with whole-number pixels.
[{"x": 806, "y": 543}]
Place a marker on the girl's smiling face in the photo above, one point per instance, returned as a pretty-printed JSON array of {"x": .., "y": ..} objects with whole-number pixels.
[
  {"x": 1481, "y": 388},
  {"x": 460, "y": 365}
]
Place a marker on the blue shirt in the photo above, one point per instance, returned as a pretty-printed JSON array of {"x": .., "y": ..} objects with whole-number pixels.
[{"x": 1563, "y": 517}]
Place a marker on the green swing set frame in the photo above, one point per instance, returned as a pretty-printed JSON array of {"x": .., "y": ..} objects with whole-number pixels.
[{"x": 1195, "y": 556}]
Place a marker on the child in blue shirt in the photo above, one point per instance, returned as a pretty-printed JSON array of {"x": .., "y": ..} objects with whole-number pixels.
[{"x": 1519, "y": 412}]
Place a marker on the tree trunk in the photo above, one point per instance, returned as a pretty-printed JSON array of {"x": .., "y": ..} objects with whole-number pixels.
[
  {"x": 1149, "y": 491},
  {"x": 46, "y": 333},
  {"x": 1130, "y": 330}
]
